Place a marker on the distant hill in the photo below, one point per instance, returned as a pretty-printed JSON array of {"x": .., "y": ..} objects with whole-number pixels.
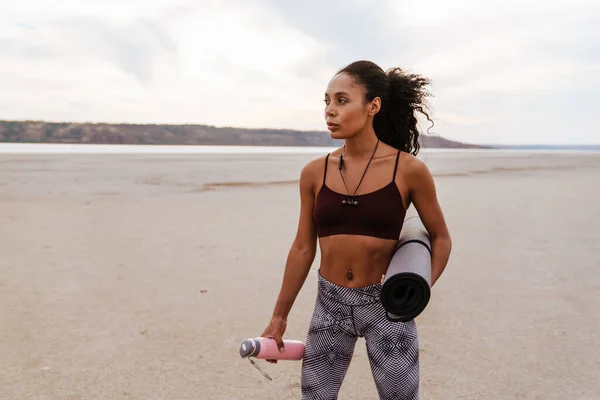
[{"x": 101, "y": 133}]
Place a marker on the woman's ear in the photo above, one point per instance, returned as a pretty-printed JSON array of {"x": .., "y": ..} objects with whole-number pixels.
[{"x": 374, "y": 106}]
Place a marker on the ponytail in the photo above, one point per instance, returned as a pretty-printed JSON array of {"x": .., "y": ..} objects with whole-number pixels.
[{"x": 402, "y": 95}]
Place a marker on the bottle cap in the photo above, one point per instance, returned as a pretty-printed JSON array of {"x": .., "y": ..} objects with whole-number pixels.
[{"x": 249, "y": 348}]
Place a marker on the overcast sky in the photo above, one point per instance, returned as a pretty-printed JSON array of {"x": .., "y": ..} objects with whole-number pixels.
[{"x": 503, "y": 71}]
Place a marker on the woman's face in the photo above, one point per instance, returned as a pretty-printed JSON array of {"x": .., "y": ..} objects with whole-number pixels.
[{"x": 345, "y": 113}]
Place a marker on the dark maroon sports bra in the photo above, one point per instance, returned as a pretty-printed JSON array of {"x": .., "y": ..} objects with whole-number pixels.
[{"x": 378, "y": 214}]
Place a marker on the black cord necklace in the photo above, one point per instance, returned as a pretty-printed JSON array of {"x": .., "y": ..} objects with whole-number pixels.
[{"x": 351, "y": 201}]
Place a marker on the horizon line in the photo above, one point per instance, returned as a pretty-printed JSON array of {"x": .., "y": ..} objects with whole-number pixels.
[{"x": 284, "y": 129}]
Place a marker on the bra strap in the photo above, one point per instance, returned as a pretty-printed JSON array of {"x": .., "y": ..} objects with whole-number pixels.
[
  {"x": 396, "y": 166},
  {"x": 325, "y": 170}
]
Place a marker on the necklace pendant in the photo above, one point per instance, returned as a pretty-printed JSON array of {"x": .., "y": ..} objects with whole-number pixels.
[
  {"x": 349, "y": 274},
  {"x": 350, "y": 202}
]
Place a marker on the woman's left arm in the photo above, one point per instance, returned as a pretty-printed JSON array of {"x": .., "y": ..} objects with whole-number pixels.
[{"x": 424, "y": 196}]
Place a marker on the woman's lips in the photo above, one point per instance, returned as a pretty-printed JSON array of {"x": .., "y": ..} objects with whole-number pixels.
[{"x": 331, "y": 126}]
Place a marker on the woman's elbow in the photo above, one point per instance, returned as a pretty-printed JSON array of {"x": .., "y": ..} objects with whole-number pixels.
[
  {"x": 306, "y": 248},
  {"x": 443, "y": 239}
]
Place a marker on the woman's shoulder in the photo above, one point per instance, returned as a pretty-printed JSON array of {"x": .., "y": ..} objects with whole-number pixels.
[
  {"x": 317, "y": 164},
  {"x": 411, "y": 161},
  {"x": 314, "y": 169},
  {"x": 415, "y": 170}
]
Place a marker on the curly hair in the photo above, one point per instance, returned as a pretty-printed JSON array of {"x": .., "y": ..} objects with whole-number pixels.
[{"x": 402, "y": 95}]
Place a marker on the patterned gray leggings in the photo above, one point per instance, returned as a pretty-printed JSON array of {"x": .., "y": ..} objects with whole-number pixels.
[{"x": 342, "y": 315}]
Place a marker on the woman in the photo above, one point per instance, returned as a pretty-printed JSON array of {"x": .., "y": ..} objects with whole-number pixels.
[{"x": 354, "y": 201}]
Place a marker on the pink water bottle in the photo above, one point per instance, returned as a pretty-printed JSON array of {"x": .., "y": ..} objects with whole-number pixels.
[{"x": 266, "y": 349}]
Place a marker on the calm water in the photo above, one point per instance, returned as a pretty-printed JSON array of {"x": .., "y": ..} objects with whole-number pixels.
[
  {"x": 64, "y": 148},
  {"x": 61, "y": 148}
]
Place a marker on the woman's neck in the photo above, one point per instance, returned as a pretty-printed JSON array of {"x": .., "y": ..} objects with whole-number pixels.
[{"x": 361, "y": 145}]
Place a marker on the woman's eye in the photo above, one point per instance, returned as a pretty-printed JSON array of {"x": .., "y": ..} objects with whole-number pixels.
[{"x": 340, "y": 101}]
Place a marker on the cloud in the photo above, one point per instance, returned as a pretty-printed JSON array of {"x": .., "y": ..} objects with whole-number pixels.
[
  {"x": 351, "y": 29},
  {"x": 194, "y": 63},
  {"x": 510, "y": 65},
  {"x": 33, "y": 11},
  {"x": 134, "y": 45},
  {"x": 519, "y": 59},
  {"x": 503, "y": 71}
]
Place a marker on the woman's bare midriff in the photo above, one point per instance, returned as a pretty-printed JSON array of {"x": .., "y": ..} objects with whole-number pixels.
[{"x": 367, "y": 257}]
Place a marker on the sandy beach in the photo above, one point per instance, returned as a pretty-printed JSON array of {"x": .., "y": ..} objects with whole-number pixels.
[{"x": 136, "y": 276}]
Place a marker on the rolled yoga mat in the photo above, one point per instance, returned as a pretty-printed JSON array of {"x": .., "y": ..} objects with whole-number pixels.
[{"x": 407, "y": 284}]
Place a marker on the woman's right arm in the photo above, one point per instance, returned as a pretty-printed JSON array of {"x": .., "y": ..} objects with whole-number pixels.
[{"x": 300, "y": 257}]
